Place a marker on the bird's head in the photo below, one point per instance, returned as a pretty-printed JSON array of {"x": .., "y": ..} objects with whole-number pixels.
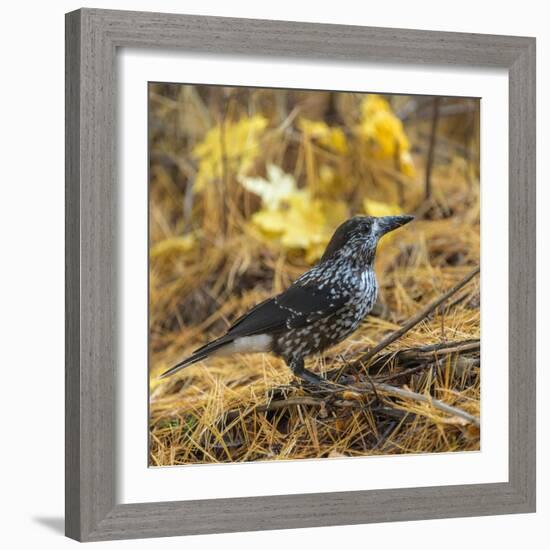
[{"x": 361, "y": 234}]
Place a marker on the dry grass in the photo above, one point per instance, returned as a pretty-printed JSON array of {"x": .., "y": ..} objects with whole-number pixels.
[{"x": 216, "y": 411}]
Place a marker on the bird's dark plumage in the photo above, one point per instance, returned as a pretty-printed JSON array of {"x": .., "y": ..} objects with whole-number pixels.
[{"x": 320, "y": 309}]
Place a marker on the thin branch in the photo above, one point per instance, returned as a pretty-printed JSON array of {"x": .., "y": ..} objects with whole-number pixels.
[
  {"x": 409, "y": 372},
  {"x": 413, "y": 321},
  {"x": 408, "y": 394},
  {"x": 290, "y": 402},
  {"x": 444, "y": 347},
  {"x": 410, "y": 356},
  {"x": 413, "y": 355},
  {"x": 379, "y": 386}
]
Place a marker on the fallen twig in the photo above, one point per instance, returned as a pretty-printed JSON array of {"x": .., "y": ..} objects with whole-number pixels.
[
  {"x": 409, "y": 371},
  {"x": 443, "y": 348},
  {"x": 413, "y": 321},
  {"x": 290, "y": 402},
  {"x": 408, "y": 394},
  {"x": 374, "y": 387},
  {"x": 414, "y": 366},
  {"x": 408, "y": 356}
]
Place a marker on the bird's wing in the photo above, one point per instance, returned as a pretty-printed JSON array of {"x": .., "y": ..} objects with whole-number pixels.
[{"x": 298, "y": 306}]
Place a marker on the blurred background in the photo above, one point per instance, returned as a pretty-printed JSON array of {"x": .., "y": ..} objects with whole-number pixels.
[{"x": 246, "y": 188}]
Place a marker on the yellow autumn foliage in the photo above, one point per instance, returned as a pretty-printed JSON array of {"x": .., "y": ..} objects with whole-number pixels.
[
  {"x": 383, "y": 133},
  {"x": 273, "y": 189},
  {"x": 292, "y": 216},
  {"x": 332, "y": 138},
  {"x": 237, "y": 141},
  {"x": 331, "y": 182}
]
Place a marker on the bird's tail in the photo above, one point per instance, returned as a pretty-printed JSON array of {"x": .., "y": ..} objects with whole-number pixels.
[{"x": 197, "y": 355}]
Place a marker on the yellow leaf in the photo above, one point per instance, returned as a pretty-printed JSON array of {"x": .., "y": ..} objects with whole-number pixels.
[
  {"x": 273, "y": 190},
  {"x": 406, "y": 163},
  {"x": 272, "y": 222},
  {"x": 239, "y": 149},
  {"x": 302, "y": 223},
  {"x": 332, "y": 138},
  {"x": 327, "y": 175},
  {"x": 374, "y": 104},
  {"x": 332, "y": 183},
  {"x": 336, "y": 141},
  {"x": 173, "y": 245},
  {"x": 384, "y": 134},
  {"x": 313, "y": 128}
]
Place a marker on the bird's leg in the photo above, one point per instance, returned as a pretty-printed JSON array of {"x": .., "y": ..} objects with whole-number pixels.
[
  {"x": 296, "y": 365},
  {"x": 340, "y": 376}
]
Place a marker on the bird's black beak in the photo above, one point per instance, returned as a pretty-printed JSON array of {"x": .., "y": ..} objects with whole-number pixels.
[{"x": 389, "y": 223}]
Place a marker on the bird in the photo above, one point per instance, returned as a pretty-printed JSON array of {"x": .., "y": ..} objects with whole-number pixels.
[{"x": 320, "y": 309}]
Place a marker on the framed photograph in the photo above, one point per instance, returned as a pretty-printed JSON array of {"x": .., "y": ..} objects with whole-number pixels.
[{"x": 300, "y": 275}]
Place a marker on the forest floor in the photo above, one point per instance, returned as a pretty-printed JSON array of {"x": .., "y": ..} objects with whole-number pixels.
[{"x": 212, "y": 257}]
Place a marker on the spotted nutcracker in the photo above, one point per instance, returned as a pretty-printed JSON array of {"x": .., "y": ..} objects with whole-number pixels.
[{"x": 320, "y": 309}]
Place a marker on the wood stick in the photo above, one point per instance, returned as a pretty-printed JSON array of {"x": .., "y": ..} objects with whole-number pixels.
[
  {"x": 413, "y": 321},
  {"x": 409, "y": 371},
  {"x": 289, "y": 402},
  {"x": 380, "y": 386},
  {"x": 405, "y": 356},
  {"x": 460, "y": 366},
  {"x": 444, "y": 347},
  {"x": 414, "y": 355},
  {"x": 408, "y": 394}
]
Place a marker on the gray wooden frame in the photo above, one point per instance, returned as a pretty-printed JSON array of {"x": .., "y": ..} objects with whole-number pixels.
[{"x": 92, "y": 39}]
